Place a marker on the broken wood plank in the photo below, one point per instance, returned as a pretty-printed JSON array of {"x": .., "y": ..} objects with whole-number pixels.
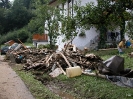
[
  {"x": 47, "y": 62},
  {"x": 65, "y": 59}
]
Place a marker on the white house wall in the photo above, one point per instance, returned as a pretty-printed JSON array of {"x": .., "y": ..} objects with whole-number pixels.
[
  {"x": 42, "y": 43},
  {"x": 80, "y": 42},
  {"x": 84, "y": 2},
  {"x": 84, "y": 41},
  {"x": 91, "y": 34}
]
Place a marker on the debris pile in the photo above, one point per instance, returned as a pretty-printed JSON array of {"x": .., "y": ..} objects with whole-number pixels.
[{"x": 48, "y": 60}]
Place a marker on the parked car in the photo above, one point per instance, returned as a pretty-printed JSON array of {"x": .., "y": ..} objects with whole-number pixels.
[
  {"x": 4, "y": 50},
  {"x": 13, "y": 46}
]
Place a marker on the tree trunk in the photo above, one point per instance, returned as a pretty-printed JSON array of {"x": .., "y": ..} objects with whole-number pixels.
[
  {"x": 102, "y": 38},
  {"x": 122, "y": 28}
]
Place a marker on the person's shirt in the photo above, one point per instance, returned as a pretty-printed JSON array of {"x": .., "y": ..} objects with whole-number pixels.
[
  {"x": 128, "y": 43},
  {"x": 121, "y": 44},
  {"x": 131, "y": 41}
]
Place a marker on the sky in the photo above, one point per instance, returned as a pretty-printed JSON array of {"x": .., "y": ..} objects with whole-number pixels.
[{"x": 11, "y": 0}]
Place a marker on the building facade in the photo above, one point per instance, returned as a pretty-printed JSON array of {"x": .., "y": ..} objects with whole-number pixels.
[{"x": 91, "y": 37}]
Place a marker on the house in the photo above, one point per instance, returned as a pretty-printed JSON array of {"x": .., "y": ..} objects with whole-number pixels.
[
  {"x": 90, "y": 40},
  {"x": 40, "y": 39}
]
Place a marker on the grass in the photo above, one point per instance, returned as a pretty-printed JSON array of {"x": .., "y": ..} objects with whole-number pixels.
[
  {"x": 83, "y": 87},
  {"x": 38, "y": 90},
  {"x": 29, "y": 44},
  {"x": 87, "y": 87}
]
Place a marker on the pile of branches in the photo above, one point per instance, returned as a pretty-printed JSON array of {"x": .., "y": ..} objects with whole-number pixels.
[{"x": 47, "y": 60}]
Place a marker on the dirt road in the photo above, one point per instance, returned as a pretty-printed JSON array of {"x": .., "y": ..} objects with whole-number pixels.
[{"x": 11, "y": 86}]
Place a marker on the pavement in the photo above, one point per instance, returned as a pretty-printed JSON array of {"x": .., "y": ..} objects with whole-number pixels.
[{"x": 11, "y": 85}]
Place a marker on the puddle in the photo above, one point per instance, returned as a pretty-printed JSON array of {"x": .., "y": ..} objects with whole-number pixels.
[{"x": 59, "y": 92}]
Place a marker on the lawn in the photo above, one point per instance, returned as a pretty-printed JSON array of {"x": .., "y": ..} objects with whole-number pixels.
[{"x": 81, "y": 87}]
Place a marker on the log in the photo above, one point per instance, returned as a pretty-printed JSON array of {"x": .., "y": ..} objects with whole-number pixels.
[
  {"x": 47, "y": 62},
  {"x": 65, "y": 59},
  {"x": 22, "y": 44}
]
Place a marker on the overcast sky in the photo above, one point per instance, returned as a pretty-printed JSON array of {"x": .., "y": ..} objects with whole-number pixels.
[{"x": 11, "y": 0}]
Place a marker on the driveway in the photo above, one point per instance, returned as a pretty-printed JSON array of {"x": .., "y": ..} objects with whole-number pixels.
[{"x": 11, "y": 86}]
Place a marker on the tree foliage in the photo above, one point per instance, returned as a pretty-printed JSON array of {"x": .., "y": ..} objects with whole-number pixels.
[
  {"x": 50, "y": 17},
  {"x": 107, "y": 14},
  {"x": 16, "y": 17},
  {"x": 5, "y": 4},
  {"x": 129, "y": 27}
]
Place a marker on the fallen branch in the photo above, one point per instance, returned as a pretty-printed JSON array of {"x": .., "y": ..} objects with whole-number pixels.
[
  {"x": 65, "y": 59},
  {"x": 47, "y": 62},
  {"x": 22, "y": 44}
]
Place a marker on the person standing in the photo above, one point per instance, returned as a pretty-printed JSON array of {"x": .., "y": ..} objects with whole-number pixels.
[
  {"x": 128, "y": 43},
  {"x": 131, "y": 43},
  {"x": 121, "y": 45}
]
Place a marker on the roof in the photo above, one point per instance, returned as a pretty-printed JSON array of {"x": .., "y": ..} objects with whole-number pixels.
[
  {"x": 40, "y": 37},
  {"x": 9, "y": 42}
]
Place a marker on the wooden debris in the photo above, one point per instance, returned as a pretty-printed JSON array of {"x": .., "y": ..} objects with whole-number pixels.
[
  {"x": 22, "y": 44},
  {"x": 65, "y": 59},
  {"x": 45, "y": 60}
]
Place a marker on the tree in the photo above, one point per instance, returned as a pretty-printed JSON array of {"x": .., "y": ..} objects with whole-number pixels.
[
  {"x": 25, "y": 3},
  {"x": 2, "y": 20},
  {"x": 69, "y": 27},
  {"x": 129, "y": 27},
  {"x": 36, "y": 25},
  {"x": 107, "y": 14},
  {"x": 16, "y": 17},
  {"x": 5, "y": 4},
  {"x": 50, "y": 17}
]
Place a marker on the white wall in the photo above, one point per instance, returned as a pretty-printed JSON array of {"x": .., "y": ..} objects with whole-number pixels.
[
  {"x": 60, "y": 43},
  {"x": 41, "y": 43},
  {"x": 80, "y": 42},
  {"x": 84, "y": 2}
]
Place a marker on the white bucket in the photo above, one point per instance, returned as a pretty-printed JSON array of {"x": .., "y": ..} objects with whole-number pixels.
[{"x": 73, "y": 71}]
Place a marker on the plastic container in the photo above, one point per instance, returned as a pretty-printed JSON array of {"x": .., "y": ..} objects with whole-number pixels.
[{"x": 73, "y": 71}]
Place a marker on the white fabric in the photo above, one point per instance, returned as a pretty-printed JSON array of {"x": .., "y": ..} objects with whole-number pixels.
[{"x": 120, "y": 49}]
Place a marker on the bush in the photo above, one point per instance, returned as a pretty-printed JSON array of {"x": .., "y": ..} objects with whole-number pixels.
[
  {"x": 48, "y": 46},
  {"x": 44, "y": 46},
  {"x": 22, "y": 34}
]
